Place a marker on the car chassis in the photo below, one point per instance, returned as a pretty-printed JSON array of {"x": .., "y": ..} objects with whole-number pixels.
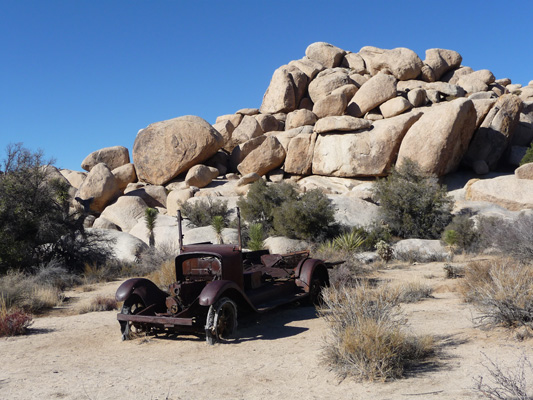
[{"x": 215, "y": 282}]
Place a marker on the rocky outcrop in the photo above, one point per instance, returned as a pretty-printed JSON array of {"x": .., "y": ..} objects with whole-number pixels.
[
  {"x": 440, "y": 138},
  {"x": 165, "y": 149},
  {"x": 495, "y": 133},
  {"x": 113, "y": 157},
  {"x": 99, "y": 189}
]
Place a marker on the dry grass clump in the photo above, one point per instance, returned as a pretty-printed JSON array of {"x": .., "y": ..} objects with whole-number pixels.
[
  {"x": 502, "y": 290},
  {"x": 414, "y": 291},
  {"x": 367, "y": 337},
  {"x": 13, "y": 321},
  {"x": 101, "y": 303},
  {"x": 20, "y": 291},
  {"x": 165, "y": 275}
]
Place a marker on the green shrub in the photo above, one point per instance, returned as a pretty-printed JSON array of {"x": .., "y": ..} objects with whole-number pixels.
[
  {"x": 461, "y": 233},
  {"x": 384, "y": 250},
  {"x": 528, "y": 157},
  {"x": 413, "y": 204},
  {"x": 282, "y": 211},
  {"x": 201, "y": 213},
  {"x": 262, "y": 199}
]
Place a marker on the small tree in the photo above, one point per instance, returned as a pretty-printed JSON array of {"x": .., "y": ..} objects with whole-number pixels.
[
  {"x": 413, "y": 204},
  {"x": 218, "y": 225},
  {"x": 150, "y": 216}
]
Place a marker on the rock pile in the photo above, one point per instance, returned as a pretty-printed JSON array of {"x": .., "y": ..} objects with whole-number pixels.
[{"x": 332, "y": 113}]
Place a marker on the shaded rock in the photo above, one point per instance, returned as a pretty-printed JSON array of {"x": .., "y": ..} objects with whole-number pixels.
[
  {"x": 225, "y": 128},
  {"x": 403, "y": 63},
  {"x": 454, "y": 75},
  {"x": 441, "y": 61},
  {"x": 373, "y": 93},
  {"x": 394, "y": 106},
  {"x": 326, "y": 54},
  {"x": 515, "y": 155},
  {"x": 113, "y": 157},
  {"x": 276, "y": 175},
  {"x": 495, "y": 133},
  {"x": 267, "y": 122},
  {"x": 201, "y": 175},
  {"x": 506, "y": 191},
  {"x": 355, "y": 62},
  {"x": 100, "y": 186},
  {"x": 367, "y": 153},
  {"x": 102, "y": 223},
  {"x": 300, "y": 154},
  {"x": 374, "y": 115},
  {"x": 299, "y": 118},
  {"x": 483, "y": 96},
  {"x": 440, "y": 138},
  {"x": 417, "y": 97},
  {"x": 125, "y": 212},
  {"x": 341, "y": 123},
  {"x": 270, "y": 155},
  {"x": 165, "y": 149},
  {"x": 125, "y": 175},
  {"x": 480, "y": 167},
  {"x": 153, "y": 195},
  {"x": 248, "y": 129},
  {"x": 427, "y": 74},
  {"x": 446, "y": 89},
  {"x": 220, "y": 161}
]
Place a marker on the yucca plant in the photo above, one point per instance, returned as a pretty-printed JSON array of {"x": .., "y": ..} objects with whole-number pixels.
[
  {"x": 150, "y": 216},
  {"x": 218, "y": 225},
  {"x": 256, "y": 237}
]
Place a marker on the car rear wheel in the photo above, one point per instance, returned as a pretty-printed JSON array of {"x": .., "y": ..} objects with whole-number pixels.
[
  {"x": 133, "y": 305},
  {"x": 221, "y": 320}
]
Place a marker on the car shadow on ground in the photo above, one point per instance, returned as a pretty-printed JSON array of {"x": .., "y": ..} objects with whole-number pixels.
[{"x": 273, "y": 325}]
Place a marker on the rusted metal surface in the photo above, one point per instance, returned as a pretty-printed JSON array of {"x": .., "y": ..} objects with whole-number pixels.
[{"x": 212, "y": 279}]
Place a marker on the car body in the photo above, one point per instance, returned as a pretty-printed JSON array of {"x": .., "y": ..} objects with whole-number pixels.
[{"x": 215, "y": 283}]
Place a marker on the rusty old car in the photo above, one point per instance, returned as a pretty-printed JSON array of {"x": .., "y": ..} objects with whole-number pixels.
[{"x": 214, "y": 284}]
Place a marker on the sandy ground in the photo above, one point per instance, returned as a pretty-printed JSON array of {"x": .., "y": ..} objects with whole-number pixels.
[{"x": 277, "y": 356}]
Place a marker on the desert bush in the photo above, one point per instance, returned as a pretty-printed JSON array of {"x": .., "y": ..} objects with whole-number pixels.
[
  {"x": 164, "y": 275},
  {"x": 384, "y": 250},
  {"x": 504, "y": 384},
  {"x": 367, "y": 337},
  {"x": 13, "y": 321},
  {"x": 528, "y": 157},
  {"x": 412, "y": 292},
  {"x": 282, "y": 211},
  {"x": 55, "y": 274},
  {"x": 201, "y": 213},
  {"x": 413, "y": 204},
  {"x": 512, "y": 238},
  {"x": 501, "y": 290},
  {"x": 461, "y": 233},
  {"x": 100, "y": 303}
]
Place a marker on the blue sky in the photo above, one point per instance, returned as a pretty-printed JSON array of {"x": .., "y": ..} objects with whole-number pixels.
[{"x": 79, "y": 75}]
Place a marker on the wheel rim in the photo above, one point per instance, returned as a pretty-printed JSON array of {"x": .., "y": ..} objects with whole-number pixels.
[
  {"x": 128, "y": 328},
  {"x": 221, "y": 320}
]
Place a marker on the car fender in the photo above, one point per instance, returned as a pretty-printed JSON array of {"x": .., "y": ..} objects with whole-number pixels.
[
  {"x": 223, "y": 288},
  {"x": 309, "y": 268},
  {"x": 144, "y": 288}
]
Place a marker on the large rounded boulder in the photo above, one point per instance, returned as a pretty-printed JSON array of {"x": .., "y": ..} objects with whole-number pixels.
[{"x": 165, "y": 149}]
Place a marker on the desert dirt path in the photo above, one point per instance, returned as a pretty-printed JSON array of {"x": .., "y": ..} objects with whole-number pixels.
[{"x": 275, "y": 357}]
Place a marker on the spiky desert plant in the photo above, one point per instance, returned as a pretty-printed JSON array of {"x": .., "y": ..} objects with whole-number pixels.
[
  {"x": 150, "y": 216},
  {"x": 256, "y": 237},
  {"x": 218, "y": 225}
]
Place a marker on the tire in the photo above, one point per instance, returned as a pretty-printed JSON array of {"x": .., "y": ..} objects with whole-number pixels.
[
  {"x": 221, "y": 321},
  {"x": 318, "y": 282},
  {"x": 132, "y": 305}
]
